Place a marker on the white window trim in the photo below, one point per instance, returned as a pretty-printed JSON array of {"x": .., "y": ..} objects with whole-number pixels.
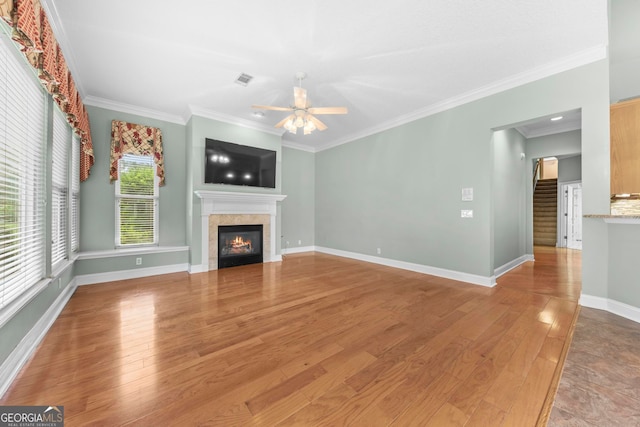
[
  {"x": 62, "y": 227},
  {"x": 155, "y": 197},
  {"x": 74, "y": 189}
]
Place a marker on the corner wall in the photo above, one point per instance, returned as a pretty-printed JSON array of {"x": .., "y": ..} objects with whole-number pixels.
[
  {"x": 509, "y": 197},
  {"x": 298, "y": 209}
]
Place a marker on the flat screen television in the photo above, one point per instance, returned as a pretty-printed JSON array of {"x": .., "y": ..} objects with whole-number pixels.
[{"x": 235, "y": 164}]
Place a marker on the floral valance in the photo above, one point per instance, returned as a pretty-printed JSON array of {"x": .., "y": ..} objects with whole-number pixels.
[
  {"x": 130, "y": 138},
  {"x": 31, "y": 29}
]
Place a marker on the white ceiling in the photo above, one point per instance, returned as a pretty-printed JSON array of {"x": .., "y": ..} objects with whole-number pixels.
[{"x": 388, "y": 62}]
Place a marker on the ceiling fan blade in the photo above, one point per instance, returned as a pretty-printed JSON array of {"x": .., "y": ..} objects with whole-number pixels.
[
  {"x": 270, "y": 107},
  {"x": 300, "y": 97},
  {"x": 329, "y": 110},
  {"x": 318, "y": 123},
  {"x": 283, "y": 121}
]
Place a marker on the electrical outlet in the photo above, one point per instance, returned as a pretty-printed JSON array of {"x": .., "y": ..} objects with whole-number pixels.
[
  {"x": 59, "y": 283},
  {"x": 287, "y": 243},
  {"x": 466, "y": 213},
  {"x": 299, "y": 242},
  {"x": 379, "y": 251},
  {"x": 139, "y": 261}
]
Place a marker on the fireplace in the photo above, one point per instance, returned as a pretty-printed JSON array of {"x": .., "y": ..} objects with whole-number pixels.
[
  {"x": 239, "y": 245},
  {"x": 229, "y": 208}
]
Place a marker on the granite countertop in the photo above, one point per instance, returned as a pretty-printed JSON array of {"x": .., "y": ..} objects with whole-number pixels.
[
  {"x": 616, "y": 219},
  {"x": 612, "y": 216}
]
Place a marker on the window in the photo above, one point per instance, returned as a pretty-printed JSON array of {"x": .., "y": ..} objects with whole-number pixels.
[
  {"x": 137, "y": 201},
  {"x": 75, "y": 194},
  {"x": 22, "y": 148},
  {"x": 59, "y": 187}
]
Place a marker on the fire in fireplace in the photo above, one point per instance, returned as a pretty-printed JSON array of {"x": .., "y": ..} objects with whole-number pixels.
[{"x": 239, "y": 245}]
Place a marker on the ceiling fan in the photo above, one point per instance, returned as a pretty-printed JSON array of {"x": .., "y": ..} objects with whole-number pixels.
[{"x": 302, "y": 115}]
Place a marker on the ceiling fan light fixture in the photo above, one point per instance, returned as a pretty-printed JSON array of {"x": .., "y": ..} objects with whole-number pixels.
[
  {"x": 309, "y": 127},
  {"x": 290, "y": 126},
  {"x": 302, "y": 114}
]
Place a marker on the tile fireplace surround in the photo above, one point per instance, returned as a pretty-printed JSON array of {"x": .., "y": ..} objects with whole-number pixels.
[{"x": 227, "y": 208}]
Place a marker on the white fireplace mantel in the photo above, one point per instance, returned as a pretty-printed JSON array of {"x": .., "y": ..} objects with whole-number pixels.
[{"x": 232, "y": 203}]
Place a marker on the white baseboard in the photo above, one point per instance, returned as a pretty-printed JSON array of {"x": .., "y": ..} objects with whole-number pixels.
[
  {"x": 512, "y": 264},
  {"x": 594, "y": 302},
  {"x": 619, "y": 308},
  {"x": 275, "y": 258},
  {"x": 299, "y": 250},
  {"x": 419, "y": 268},
  {"x": 198, "y": 268},
  {"x": 23, "y": 351},
  {"x": 112, "y": 276}
]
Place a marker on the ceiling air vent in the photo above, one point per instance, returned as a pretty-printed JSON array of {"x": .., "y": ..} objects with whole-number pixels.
[{"x": 244, "y": 79}]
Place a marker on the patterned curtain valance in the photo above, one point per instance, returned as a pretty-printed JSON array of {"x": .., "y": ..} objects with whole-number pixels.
[
  {"x": 31, "y": 29},
  {"x": 129, "y": 138}
]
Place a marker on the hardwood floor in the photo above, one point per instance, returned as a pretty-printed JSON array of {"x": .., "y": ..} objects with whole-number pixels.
[{"x": 314, "y": 340}]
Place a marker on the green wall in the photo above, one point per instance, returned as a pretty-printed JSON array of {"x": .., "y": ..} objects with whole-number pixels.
[
  {"x": 560, "y": 144},
  {"x": 97, "y": 194},
  {"x": 570, "y": 169},
  {"x": 298, "y": 209},
  {"x": 509, "y": 196},
  {"x": 624, "y": 254},
  {"x": 399, "y": 190},
  {"x": 14, "y": 330},
  {"x": 128, "y": 262}
]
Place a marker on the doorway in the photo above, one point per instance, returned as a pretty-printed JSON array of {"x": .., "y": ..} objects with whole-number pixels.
[
  {"x": 571, "y": 215},
  {"x": 545, "y": 203}
]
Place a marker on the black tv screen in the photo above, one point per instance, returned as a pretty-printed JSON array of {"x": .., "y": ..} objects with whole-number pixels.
[{"x": 235, "y": 164}]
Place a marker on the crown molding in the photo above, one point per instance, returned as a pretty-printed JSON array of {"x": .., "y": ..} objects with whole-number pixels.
[
  {"x": 133, "y": 109},
  {"x": 194, "y": 110},
  {"x": 298, "y": 146},
  {"x": 579, "y": 59},
  {"x": 49, "y": 7},
  {"x": 565, "y": 127}
]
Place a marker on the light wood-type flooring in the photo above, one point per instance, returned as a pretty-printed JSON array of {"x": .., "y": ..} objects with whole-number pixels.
[{"x": 313, "y": 340}]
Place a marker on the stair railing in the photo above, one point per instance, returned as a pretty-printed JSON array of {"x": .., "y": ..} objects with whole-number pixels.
[{"x": 536, "y": 173}]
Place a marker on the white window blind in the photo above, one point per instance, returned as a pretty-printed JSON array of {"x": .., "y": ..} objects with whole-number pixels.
[
  {"x": 75, "y": 194},
  {"x": 59, "y": 186},
  {"x": 137, "y": 197},
  {"x": 22, "y": 240}
]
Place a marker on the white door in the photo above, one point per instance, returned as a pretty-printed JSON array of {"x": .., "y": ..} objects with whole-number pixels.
[{"x": 574, "y": 216}]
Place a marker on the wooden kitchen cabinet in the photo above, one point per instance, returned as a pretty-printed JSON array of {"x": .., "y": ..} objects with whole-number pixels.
[{"x": 625, "y": 147}]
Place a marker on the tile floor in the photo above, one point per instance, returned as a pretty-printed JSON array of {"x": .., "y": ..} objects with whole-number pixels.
[{"x": 600, "y": 384}]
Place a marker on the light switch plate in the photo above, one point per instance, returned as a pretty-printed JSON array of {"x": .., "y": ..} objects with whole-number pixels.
[{"x": 467, "y": 194}]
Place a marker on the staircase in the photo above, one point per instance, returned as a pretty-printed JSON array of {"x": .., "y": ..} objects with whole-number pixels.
[{"x": 545, "y": 207}]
